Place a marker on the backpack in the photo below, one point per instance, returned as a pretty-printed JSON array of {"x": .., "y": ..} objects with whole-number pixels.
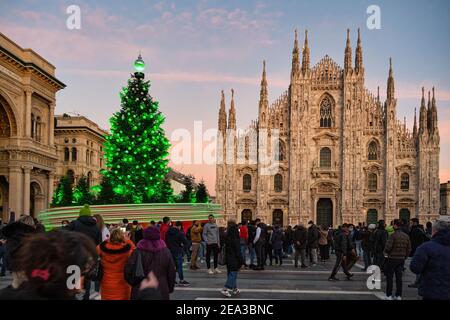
[{"x": 134, "y": 273}]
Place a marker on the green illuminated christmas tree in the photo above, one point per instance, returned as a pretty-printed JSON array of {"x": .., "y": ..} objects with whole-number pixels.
[
  {"x": 81, "y": 194},
  {"x": 63, "y": 194},
  {"x": 137, "y": 148}
]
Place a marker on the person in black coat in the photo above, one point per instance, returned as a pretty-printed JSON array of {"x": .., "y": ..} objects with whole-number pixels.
[
  {"x": 234, "y": 259},
  {"x": 14, "y": 233},
  {"x": 417, "y": 236},
  {"x": 177, "y": 242},
  {"x": 300, "y": 242},
  {"x": 380, "y": 237},
  {"x": 87, "y": 225}
]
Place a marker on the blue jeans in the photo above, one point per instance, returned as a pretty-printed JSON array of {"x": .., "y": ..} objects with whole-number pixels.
[
  {"x": 278, "y": 255},
  {"x": 358, "y": 247},
  {"x": 243, "y": 251},
  {"x": 252, "y": 255},
  {"x": 231, "y": 280},
  {"x": 290, "y": 251},
  {"x": 202, "y": 250},
  {"x": 178, "y": 259}
]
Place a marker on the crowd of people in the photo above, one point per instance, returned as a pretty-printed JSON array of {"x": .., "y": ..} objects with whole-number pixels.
[{"x": 127, "y": 261}]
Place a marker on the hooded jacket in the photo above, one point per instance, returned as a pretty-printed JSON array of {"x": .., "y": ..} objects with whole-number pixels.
[
  {"x": 156, "y": 257},
  {"x": 88, "y": 226},
  {"x": 233, "y": 257},
  {"x": 277, "y": 239},
  {"x": 432, "y": 262},
  {"x": 113, "y": 260},
  {"x": 300, "y": 237},
  {"x": 176, "y": 241}
]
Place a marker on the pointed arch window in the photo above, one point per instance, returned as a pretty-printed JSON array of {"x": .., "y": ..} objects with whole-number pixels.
[
  {"x": 247, "y": 183},
  {"x": 326, "y": 107},
  {"x": 278, "y": 182},
  {"x": 372, "y": 182},
  {"x": 66, "y": 154},
  {"x": 404, "y": 182},
  {"x": 74, "y": 154},
  {"x": 373, "y": 151},
  {"x": 325, "y": 157}
]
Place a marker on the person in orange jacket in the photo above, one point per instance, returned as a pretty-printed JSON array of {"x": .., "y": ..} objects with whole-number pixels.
[{"x": 114, "y": 254}]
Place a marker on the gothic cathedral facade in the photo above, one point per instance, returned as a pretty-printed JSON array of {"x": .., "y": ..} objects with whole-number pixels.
[{"x": 342, "y": 155}]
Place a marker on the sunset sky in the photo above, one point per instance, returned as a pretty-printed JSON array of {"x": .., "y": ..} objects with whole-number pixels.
[{"x": 195, "y": 49}]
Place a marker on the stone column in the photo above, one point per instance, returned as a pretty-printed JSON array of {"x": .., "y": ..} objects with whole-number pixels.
[
  {"x": 28, "y": 128},
  {"x": 51, "y": 177},
  {"x": 26, "y": 189},
  {"x": 51, "y": 125},
  {"x": 15, "y": 190}
]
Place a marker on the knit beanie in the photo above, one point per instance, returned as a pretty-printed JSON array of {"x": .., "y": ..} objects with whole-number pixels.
[{"x": 85, "y": 211}]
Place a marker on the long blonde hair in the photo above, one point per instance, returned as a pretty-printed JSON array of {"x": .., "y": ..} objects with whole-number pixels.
[{"x": 117, "y": 236}]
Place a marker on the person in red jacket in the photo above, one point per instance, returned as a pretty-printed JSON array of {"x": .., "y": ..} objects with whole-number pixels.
[
  {"x": 114, "y": 253},
  {"x": 243, "y": 235},
  {"x": 164, "y": 228}
]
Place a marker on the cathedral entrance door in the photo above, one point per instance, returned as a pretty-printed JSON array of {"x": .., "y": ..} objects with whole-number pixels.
[
  {"x": 246, "y": 215},
  {"x": 277, "y": 217},
  {"x": 372, "y": 216},
  {"x": 324, "y": 212},
  {"x": 405, "y": 214}
]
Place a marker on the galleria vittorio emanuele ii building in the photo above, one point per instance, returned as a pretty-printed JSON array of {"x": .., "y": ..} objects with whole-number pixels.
[{"x": 342, "y": 155}]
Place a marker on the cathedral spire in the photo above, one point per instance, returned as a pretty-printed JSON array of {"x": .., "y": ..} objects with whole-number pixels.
[
  {"x": 434, "y": 113},
  {"x": 423, "y": 121},
  {"x": 348, "y": 54},
  {"x": 358, "y": 55},
  {"x": 415, "y": 123},
  {"x": 429, "y": 114},
  {"x": 390, "y": 83},
  {"x": 222, "y": 125},
  {"x": 232, "y": 113},
  {"x": 263, "y": 99},
  {"x": 295, "y": 71},
  {"x": 305, "y": 58},
  {"x": 264, "y": 81}
]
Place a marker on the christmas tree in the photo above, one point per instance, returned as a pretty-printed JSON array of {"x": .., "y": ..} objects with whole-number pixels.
[
  {"x": 106, "y": 194},
  {"x": 137, "y": 148},
  {"x": 81, "y": 194},
  {"x": 63, "y": 193},
  {"x": 188, "y": 194},
  {"x": 164, "y": 193},
  {"x": 202, "y": 195}
]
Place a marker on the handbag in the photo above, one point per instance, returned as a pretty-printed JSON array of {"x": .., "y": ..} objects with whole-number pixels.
[
  {"x": 134, "y": 273},
  {"x": 96, "y": 272}
]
